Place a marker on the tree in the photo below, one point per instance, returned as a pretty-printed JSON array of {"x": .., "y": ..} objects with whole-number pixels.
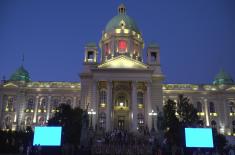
[
  {"x": 176, "y": 117},
  {"x": 186, "y": 111},
  {"x": 220, "y": 141},
  {"x": 169, "y": 110},
  {"x": 170, "y": 122},
  {"x": 71, "y": 121}
]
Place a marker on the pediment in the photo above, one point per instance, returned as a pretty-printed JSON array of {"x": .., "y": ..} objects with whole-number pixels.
[
  {"x": 123, "y": 61},
  {"x": 10, "y": 85},
  {"x": 231, "y": 88}
]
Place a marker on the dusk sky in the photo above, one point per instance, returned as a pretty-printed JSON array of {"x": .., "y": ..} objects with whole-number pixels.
[{"x": 196, "y": 37}]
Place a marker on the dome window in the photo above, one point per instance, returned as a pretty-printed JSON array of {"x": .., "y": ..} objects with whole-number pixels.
[
  {"x": 122, "y": 46},
  {"x": 122, "y": 24},
  {"x": 106, "y": 49}
]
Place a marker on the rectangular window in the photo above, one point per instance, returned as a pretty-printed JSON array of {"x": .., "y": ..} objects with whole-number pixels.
[
  {"x": 90, "y": 55},
  {"x": 153, "y": 57}
]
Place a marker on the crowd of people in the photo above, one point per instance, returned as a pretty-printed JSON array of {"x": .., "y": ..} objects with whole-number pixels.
[
  {"x": 116, "y": 142},
  {"x": 121, "y": 142},
  {"x": 13, "y": 142}
]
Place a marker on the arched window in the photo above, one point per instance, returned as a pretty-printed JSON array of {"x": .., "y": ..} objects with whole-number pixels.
[
  {"x": 121, "y": 100},
  {"x": 28, "y": 121},
  {"x": 213, "y": 124},
  {"x": 55, "y": 104},
  {"x": 212, "y": 107},
  {"x": 233, "y": 125},
  {"x": 140, "y": 99},
  {"x": 231, "y": 107},
  {"x": 199, "y": 106},
  {"x": 103, "y": 98},
  {"x": 30, "y": 104},
  {"x": 102, "y": 120},
  {"x": 8, "y": 122},
  {"x": 41, "y": 120},
  {"x": 140, "y": 118},
  {"x": 200, "y": 123},
  {"x": 10, "y": 104},
  {"x": 122, "y": 46},
  {"x": 68, "y": 101},
  {"x": 42, "y": 105}
]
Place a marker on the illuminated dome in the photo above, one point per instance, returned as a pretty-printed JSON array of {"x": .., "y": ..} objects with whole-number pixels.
[
  {"x": 21, "y": 74},
  {"x": 121, "y": 20},
  {"x": 121, "y": 36},
  {"x": 223, "y": 78}
]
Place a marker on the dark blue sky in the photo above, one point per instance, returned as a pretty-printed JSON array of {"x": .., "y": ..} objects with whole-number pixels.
[{"x": 197, "y": 37}]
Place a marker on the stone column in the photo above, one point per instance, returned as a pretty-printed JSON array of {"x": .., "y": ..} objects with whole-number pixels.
[
  {"x": 48, "y": 108},
  {"x": 134, "y": 107},
  {"x": 20, "y": 109},
  {"x": 74, "y": 102},
  {"x": 36, "y": 110},
  {"x": 94, "y": 103},
  {"x": 109, "y": 106},
  {"x": 206, "y": 112},
  {"x": 148, "y": 105},
  {"x": 226, "y": 113},
  {"x": 223, "y": 113}
]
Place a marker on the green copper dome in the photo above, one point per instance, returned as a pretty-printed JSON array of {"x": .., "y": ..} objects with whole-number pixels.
[
  {"x": 223, "y": 78},
  {"x": 120, "y": 20},
  {"x": 21, "y": 74}
]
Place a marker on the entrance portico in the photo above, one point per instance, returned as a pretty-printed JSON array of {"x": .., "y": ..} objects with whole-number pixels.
[{"x": 122, "y": 105}]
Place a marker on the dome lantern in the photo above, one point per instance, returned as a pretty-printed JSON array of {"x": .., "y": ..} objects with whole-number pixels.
[{"x": 122, "y": 9}]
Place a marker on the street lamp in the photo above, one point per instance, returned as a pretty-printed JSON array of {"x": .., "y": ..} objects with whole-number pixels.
[
  {"x": 152, "y": 113},
  {"x": 91, "y": 113}
]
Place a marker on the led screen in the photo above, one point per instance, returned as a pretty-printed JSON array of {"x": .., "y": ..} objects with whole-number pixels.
[
  {"x": 199, "y": 137},
  {"x": 47, "y": 136}
]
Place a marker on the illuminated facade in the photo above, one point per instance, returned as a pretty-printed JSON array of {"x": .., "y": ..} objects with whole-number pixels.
[{"x": 120, "y": 90}]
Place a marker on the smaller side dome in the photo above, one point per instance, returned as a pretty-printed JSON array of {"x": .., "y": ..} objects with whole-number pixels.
[
  {"x": 223, "y": 78},
  {"x": 21, "y": 74}
]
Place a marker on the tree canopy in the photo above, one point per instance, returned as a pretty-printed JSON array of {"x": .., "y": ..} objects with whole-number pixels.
[
  {"x": 176, "y": 116},
  {"x": 71, "y": 121},
  {"x": 187, "y": 113}
]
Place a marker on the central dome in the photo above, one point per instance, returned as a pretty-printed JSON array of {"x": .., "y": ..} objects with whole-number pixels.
[{"x": 121, "y": 20}]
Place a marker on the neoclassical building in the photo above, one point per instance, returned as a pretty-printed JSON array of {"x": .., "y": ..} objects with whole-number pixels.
[{"x": 120, "y": 90}]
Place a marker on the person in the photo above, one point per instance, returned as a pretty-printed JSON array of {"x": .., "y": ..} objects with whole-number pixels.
[
  {"x": 231, "y": 151},
  {"x": 39, "y": 149},
  {"x": 21, "y": 149},
  {"x": 28, "y": 150}
]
